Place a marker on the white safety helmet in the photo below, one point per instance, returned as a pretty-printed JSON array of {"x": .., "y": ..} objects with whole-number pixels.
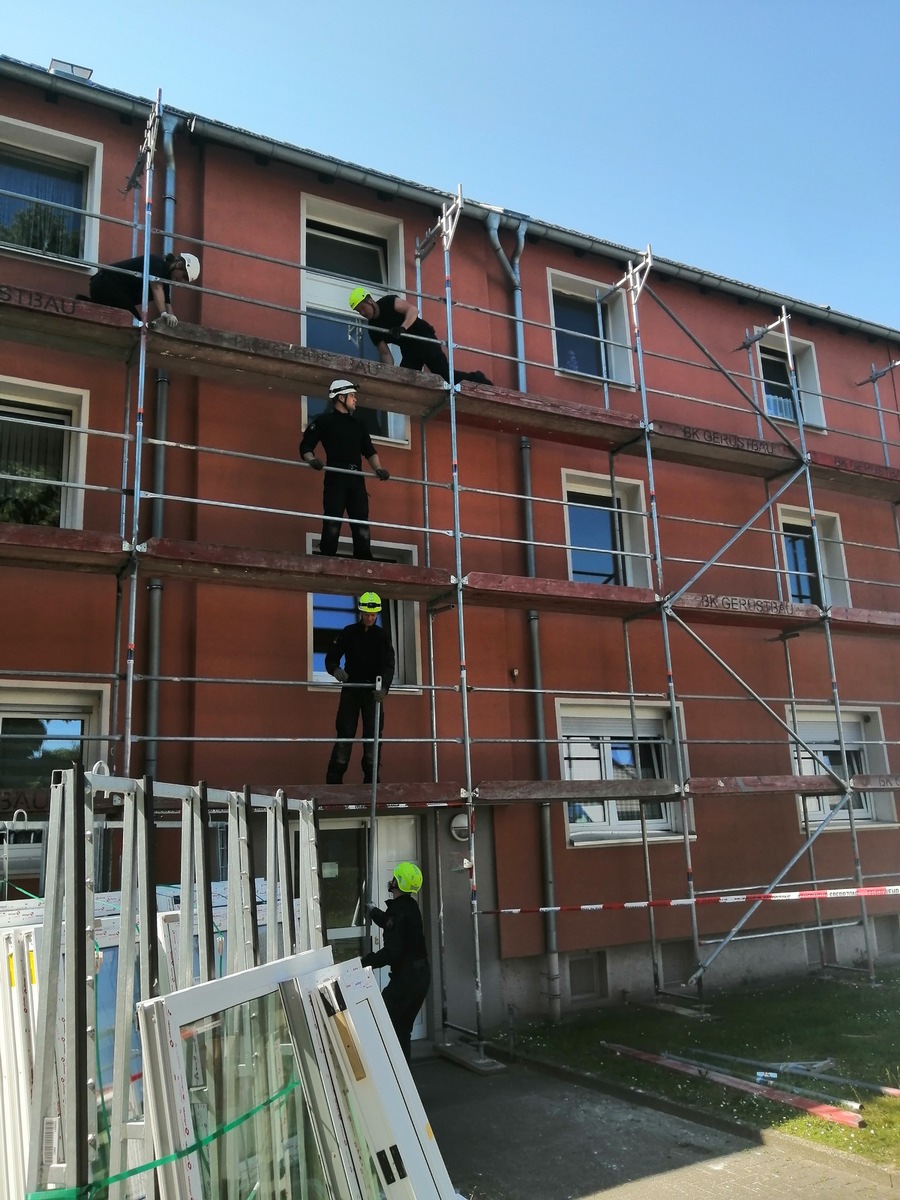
[
  {"x": 340, "y": 387},
  {"x": 191, "y": 265}
]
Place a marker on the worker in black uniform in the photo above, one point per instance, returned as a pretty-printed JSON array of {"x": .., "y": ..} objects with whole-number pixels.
[
  {"x": 346, "y": 442},
  {"x": 367, "y": 653},
  {"x": 404, "y": 951},
  {"x": 120, "y": 285},
  {"x": 393, "y": 320}
]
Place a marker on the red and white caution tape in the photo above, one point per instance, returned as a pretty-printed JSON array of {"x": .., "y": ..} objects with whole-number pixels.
[{"x": 687, "y": 902}]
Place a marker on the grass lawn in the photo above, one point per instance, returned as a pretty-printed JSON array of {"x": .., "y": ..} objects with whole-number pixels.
[{"x": 852, "y": 1023}]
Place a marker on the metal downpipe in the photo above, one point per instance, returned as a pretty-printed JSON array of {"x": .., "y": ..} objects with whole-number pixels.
[
  {"x": 161, "y": 419},
  {"x": 511, "y": 269}
]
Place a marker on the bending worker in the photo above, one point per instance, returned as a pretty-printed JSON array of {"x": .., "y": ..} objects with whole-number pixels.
[
  {"x": 367, "y": 653},
  {"x": 117, "y": 289},
  {"x": 394, "y": 321},
  {"x": 404, "y": 951},
  {"x": 346, "y": 442}
]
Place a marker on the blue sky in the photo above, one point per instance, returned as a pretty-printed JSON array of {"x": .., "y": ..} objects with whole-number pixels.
[{"x": 756, "y": 140}]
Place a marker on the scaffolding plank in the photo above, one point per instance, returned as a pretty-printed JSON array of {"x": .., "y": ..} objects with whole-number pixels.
[
  {"x": 875, "y": 783},
  {"x": 864, "y": 620},
  {"x": 515, "y": 412},
  {"x": 573, "y": 790},
  {"x": 853, "y": 475},
  {"x": 48, "y": 548},
  {"x": 712, "y": 609},
  {"x": 714, "y": 449},
  {"x": 757, "y": 785},
  {"x": 491, "y": 792},
  {"x": 64, "y": 323},
  {"x": 294, "y": 572},
  {"x": 557, "y": 595}
]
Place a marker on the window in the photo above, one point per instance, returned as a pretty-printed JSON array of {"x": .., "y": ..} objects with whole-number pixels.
[
  {"x": 41, "y": 452},
  {"x": 399, "y": 618},
  {"x": 865, "y": 749},
  {"x": 606, "y": 537},
  {"x": 598, "y": 741},
  {"x": 43, "y": 730},
  {"x": 343, "y": 247},
  {"x": 590, "y": 329},
  {"x": 46, "y": 179},
  {"x": 802, "y": 580},
  {"x": 800, "y": 559},
  {"x": 776, "y": 379}
]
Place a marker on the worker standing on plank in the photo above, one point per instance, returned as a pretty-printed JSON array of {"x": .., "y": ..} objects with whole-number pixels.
[
  {"x": 346, "y": 442},
  {"x": 367, "y": 654}
]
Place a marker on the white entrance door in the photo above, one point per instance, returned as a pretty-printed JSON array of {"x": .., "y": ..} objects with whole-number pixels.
[{"x": 343, "y": 863}]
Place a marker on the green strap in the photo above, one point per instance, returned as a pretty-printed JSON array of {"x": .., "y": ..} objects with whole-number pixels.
[{"x": 87, "y": 1191}]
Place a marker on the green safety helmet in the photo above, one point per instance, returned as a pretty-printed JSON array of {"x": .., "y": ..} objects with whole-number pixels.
[
  {"x": 357, "y": 296},
  {"x": 408, "y": 877},
  {"x": 369, "y": 602}
]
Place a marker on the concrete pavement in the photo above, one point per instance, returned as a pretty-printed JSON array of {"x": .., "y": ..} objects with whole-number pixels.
[{"x": 522, "y": 1134}]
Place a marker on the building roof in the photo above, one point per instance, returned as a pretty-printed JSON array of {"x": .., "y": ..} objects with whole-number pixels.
[{"x": 386, "y": 185}]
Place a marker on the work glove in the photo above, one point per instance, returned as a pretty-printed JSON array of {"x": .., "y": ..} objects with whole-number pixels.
[
  {"x": 341, "y": 675},
  {"x": 371, "y": 908},
  {"x": 169, "y": 319},
  {"x": 366, "y": 960},
  {"x": 379, "y": 694},
  {"x": 398, "y": 332},
  {"x": 382, "y": 474},
  {"x": 315, "y": 463}
]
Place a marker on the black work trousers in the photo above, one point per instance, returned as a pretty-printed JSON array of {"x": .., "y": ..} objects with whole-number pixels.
[
  {"x": 404, "y": 996},
  {"x": 115, "y": 291},
  {"x": 345, "y": 494},
  {"x": 355, "y": 702},
  {"x": 424, "y": 350}
]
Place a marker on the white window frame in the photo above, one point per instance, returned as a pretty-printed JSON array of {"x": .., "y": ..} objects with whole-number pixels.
[
  {"x": 63, "y": 701},
  {"x": 863, "y": 732},
  {"x": 836, "y": 582},
  {"x": 407, "y": 639},
  {"x": 619, "y": 365},
  {"x": 807, "y": 370},
  {"x": 330, "y": 292},
  {"x": 73, "y": 403},
  {"x": 630, "y": 494},
  {"x": 53, "y": 143},
  {"x": 612, "y": 720}
]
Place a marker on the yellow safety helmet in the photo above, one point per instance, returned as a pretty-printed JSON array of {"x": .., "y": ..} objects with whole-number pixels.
[
  {"x": 357, "y": 296},
  {"x": 369, "y": 602},
  {"x": 408, "y": 877}
]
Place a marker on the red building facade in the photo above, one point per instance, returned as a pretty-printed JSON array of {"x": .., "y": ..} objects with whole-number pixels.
[{"x": 643, "y": 590}]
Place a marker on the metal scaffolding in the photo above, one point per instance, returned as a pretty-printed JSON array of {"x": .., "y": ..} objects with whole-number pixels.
[{"x": 642, "y": 437}]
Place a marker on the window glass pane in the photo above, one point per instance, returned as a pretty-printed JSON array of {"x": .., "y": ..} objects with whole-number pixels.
[
  {"x": 33, "y": 223},
  {"x": 777, "y": 383},
  {"x": 591, "y": 525},
  {"x": 330, "y": 613},
  {"x": 239, "y": 1062},
  {"x": 800, "y": 558},
  {"x": 614, "y": 758},
  {"x": 343, "y": 857},
  {"x": 577, "y": 334},
  {"x": 832, "y": 756},
  {"x": 328, "y": 331},
  {"x": 33, "y": 747},
  {"x": 341, "y": 254},
  {"x": 33, "y": 448}
]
